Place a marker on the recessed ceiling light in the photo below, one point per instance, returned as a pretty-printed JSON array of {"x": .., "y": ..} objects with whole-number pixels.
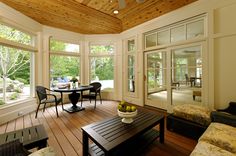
[{"x": 115, "y": 11}]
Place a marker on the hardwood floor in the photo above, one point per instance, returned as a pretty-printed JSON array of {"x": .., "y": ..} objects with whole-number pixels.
[{"x": 66, "y": 138}]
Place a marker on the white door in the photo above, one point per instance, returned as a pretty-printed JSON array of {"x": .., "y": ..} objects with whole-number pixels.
[{"x": 156, "y": 79}]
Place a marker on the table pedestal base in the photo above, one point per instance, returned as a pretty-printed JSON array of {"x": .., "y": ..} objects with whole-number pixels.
[{"x": 74, "y": 109}]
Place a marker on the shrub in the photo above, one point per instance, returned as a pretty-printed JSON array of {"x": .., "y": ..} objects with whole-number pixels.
[
  {"x": 22, "y": 80},
  {"x": 18, "y": 90},
  {"x": 1, "y": 102},
  {"x": 14, "y": 96}
]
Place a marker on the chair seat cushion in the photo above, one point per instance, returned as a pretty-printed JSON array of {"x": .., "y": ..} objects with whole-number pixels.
[
  {"x": 207, "y": 149},
  {"x": 197, "y": 114},
  {"x": 221, "y": 135}
]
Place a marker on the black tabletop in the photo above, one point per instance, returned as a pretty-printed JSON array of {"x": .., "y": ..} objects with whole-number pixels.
[
  {"x": 112, "y": 132},
  {"x": 80, "y": 88}
]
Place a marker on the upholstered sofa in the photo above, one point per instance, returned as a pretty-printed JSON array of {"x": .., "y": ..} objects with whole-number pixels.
[
  {"x": 219, "y": 139},
  {"x": 189, "y": 120}
]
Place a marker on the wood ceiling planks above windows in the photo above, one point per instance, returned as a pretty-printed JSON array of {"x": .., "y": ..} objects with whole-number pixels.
[{"x": 94, "y": 16}]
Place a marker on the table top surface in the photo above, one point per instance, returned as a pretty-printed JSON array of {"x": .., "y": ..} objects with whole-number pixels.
[
  {"x": 80, "y": 88},
  {"x": 112, "y": 132}
]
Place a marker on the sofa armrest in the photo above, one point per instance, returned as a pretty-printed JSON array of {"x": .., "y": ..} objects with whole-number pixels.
[{"x": 224, "y": 118}]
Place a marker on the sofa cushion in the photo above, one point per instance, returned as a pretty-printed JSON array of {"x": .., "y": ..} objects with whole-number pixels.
[
  {"x": 207, "y": 149},
  {"x": 47, "y": 151},
  {"x": 195, "y": 113},
  {"x": 221, "y": 135}
]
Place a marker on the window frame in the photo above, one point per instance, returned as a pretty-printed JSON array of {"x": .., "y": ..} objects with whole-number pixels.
[
  {"x": 32, "y": 49},
  {"x": 64, "y": 53},
  {"x": 102, "y": 55}
]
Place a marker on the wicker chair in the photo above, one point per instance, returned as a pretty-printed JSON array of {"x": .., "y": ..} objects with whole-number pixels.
[
  {"x": 43, "y": 98},
  {"x": 94, "y": 92}
]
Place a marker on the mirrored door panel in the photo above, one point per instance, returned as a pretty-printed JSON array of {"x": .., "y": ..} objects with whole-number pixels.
[{"x": 156, "y": 90}]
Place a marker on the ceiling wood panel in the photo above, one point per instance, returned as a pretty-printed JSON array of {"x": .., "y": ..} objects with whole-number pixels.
[{"x": 94, "y": 16}]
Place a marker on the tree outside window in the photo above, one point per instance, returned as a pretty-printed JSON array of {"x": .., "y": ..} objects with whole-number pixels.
[
  {"x": 14, "y": 66},
  {"x": 102, "y": 65},
  {"x": 64, "y": 63}
]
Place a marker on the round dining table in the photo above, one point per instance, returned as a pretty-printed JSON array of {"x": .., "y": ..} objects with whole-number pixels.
[{"x": 73, "y": 96}]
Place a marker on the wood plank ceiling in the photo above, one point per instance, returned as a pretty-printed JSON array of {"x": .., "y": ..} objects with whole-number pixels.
[{"x": 94, "y": 16}]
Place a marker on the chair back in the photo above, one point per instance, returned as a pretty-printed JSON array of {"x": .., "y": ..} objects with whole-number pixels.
[
  {"x": 41, "y": 92},
  {"x": 96, "y": 87},
  {"x": 186, "y": 77}
]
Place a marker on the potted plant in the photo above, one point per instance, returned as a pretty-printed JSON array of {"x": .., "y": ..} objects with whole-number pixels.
[{"x": 74, "y": 80}]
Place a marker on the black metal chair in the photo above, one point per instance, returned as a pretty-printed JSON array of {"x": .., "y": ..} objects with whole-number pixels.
[
  {"x": 43, "y": 98},
  {"x": 94, "y": 92}
]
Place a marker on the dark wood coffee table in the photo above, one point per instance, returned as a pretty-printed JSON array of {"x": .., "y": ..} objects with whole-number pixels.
[
  {"x": 31, "y": 137},
  {"x": 112, "y": 137}
]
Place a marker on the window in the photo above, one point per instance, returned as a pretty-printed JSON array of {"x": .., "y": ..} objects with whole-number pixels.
[
  {"x": 102, "y": 65},
  {"x": 186, "y": 30},
  {"x": 15, "y": 64},
  {"x": 64, "y": 62},
  {"x": 130, "y": 67}
]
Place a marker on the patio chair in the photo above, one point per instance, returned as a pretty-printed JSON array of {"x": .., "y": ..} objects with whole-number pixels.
[
  {"x": 94, "y": 92},
  {"x": 43, "y": 98}
]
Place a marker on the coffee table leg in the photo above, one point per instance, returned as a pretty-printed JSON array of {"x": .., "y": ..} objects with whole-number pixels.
[
  {"x": 85, "y": 144},
  {"x": 162, "y": 130}
]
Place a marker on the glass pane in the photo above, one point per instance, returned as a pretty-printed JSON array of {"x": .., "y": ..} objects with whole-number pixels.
[
  {"x": 178, "y": 34},
  {"x": 151, "y": 40},
  {"x": 131, "y": 74},
  {"x": 131, "y": 45},
  {"x": 186, "y": 75},
  {"x": 195, "y": 29},
  {"x": 63, "y": 69},
  {"x": 102, "y": 70},
  {"x": 163, "y": 37},
  {"x": 15, "y": 35},
  {"x": 101, "y": 49},
  {"x": 56, "y": 45},
  {"x": 131, "y": 60},
  {"x": 156, "y": 76},
  {"x": 15, "y": 74}
]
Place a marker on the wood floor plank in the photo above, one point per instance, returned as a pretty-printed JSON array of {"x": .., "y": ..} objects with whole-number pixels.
[
  {"x": 3, "y": 128},
  {"x": 27, "y": 121},
  {"x": 11, "y": 126},
  {"x": 67, "y": 130},
  {"x": 61, "y": 138},
  {"x": 52, "y": 140},
  {"x": 19, "y": 123},
  {"x": 65, "y": 134}
]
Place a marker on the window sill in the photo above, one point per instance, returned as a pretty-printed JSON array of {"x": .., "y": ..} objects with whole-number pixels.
[{"x": 11, "y": 104}]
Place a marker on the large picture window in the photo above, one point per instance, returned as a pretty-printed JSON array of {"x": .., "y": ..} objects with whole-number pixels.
[
  {"x": 64, "y": 63},
  {"x": 15, "y": 64},
  {"x": 102, "y": 65}
]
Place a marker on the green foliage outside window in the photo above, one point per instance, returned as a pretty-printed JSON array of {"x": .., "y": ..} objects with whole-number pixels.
[
  {"x": 63, "y": 66},
  {"x": 102, "y": 66},
  {"x": 13, "y": 34},
  {"x": 56, "y": 45}
]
